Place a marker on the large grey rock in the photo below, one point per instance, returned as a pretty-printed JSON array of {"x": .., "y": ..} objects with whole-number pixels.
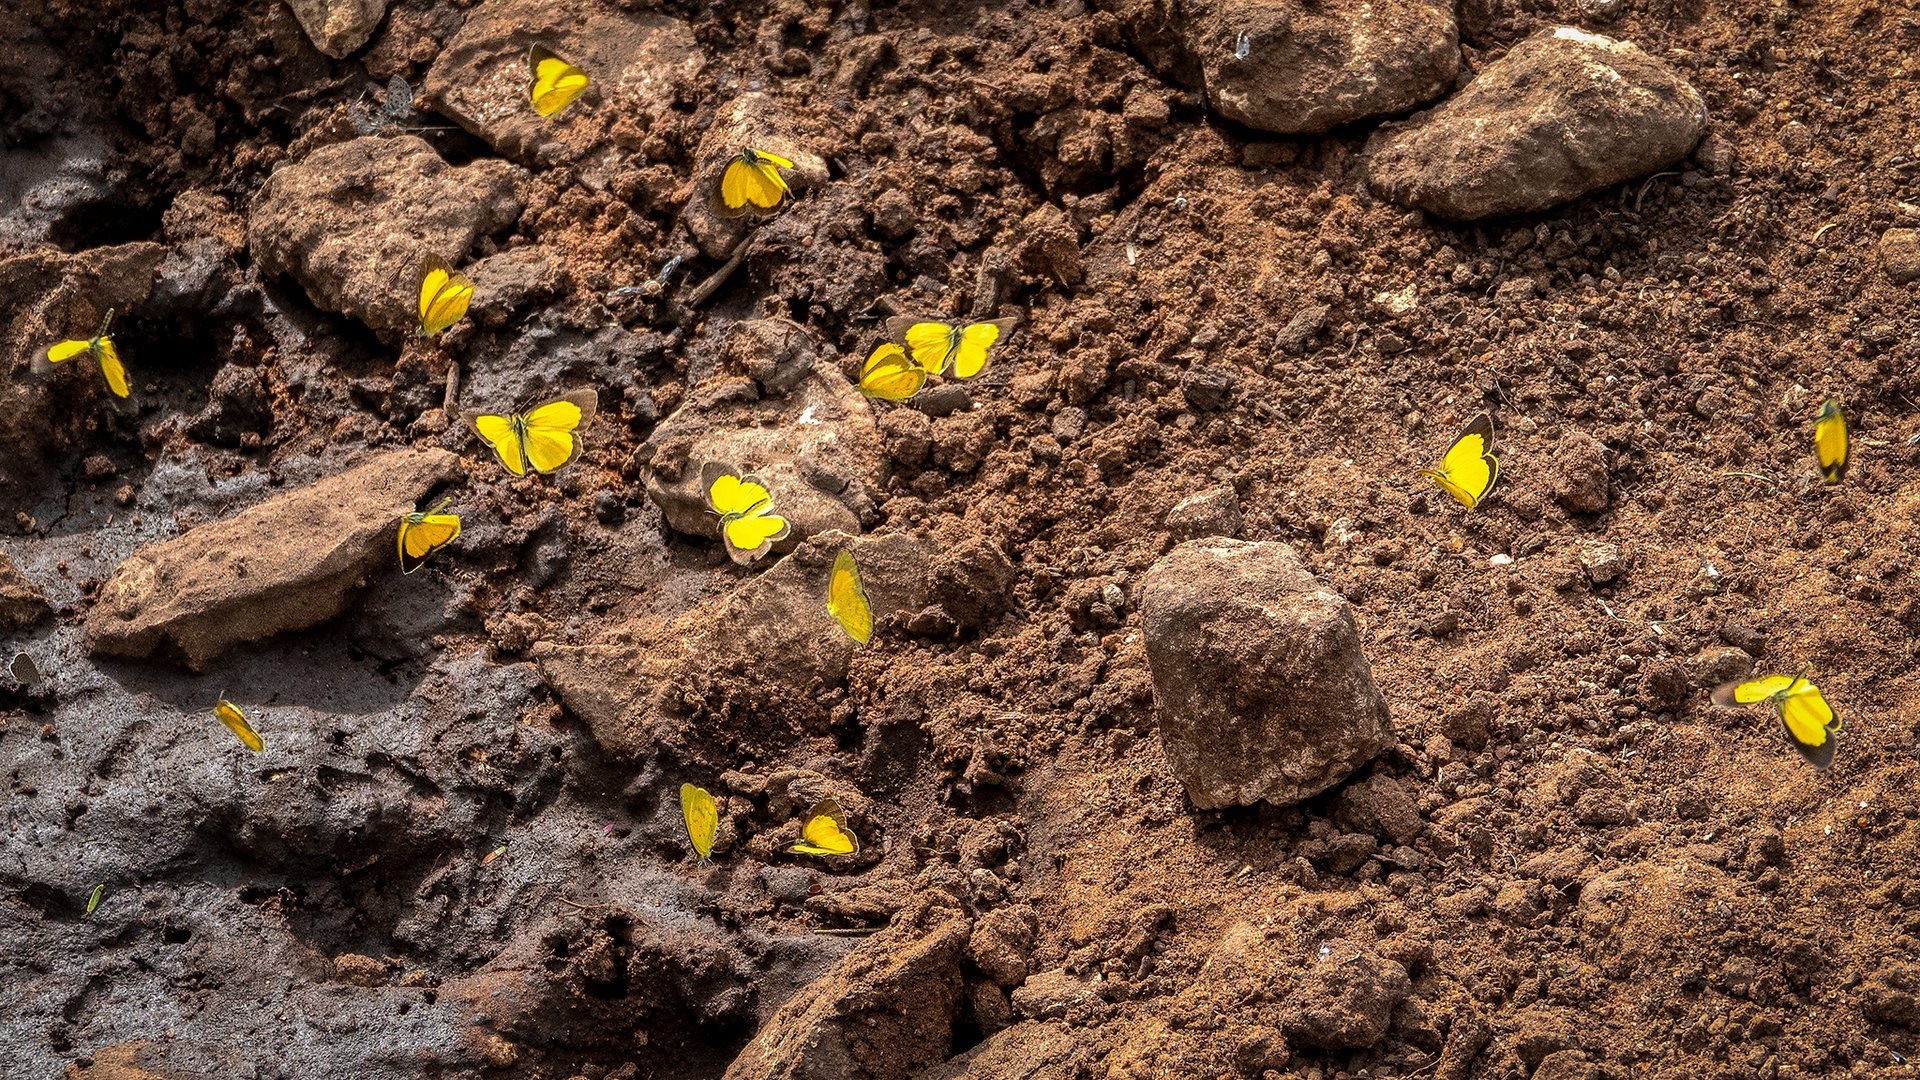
[
  {"x": 287, "y": 564},
  {"x": 884, "y": 1012},
  {"x": 352, "y": 221},
  {"x": 338, "y": 27},
  {"x": 1564, "y": 113},
  {"x": 636, "y": 61},
  {"x": 1259, "y": 681},
  {"x": 1303, "y": 68}
]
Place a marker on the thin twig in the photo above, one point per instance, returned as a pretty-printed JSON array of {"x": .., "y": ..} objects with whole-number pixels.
[
  {"x": 577, "y": 904},
  {"x": 719, "y": 277},
  {"x": 1751, "y": 476},
  {"x": 847, "y": 931}
]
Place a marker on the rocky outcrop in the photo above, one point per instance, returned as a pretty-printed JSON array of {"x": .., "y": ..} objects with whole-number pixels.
[
  {"x": 290, "y": 563},
  {"x": 352, "y": 221},
  {"x": 1564, "y": 113},
  {"x": 1258, "y": 678}
]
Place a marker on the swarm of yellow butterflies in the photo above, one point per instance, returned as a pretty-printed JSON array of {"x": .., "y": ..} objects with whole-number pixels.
[{"x": 896, "y": 372}]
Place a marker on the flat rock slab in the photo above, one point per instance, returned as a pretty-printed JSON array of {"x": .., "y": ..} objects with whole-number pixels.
[
  {"x": 1304, "y": 68},
  {"x": 352, "y": 221},
  {"x": 1563, "y": 114},
  {"x": 1258, "y": 678},
  {"x": 338, "y": 27},
  {"x": 287, "y": 564},
  {"x": 635, "y": 60}
]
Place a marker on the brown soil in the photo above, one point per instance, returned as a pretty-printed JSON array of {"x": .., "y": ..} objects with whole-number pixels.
[{"x": 1608, "y": 865}]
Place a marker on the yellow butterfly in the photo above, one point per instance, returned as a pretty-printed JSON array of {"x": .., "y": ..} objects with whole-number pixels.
[
  {"x": 889, "y": 375},
  {"x": 847, "y": 601},
  {"x": 101, "y": 347},
  {"x": 553, "y": 83},
  {"x": 942, "y": 346},
  {"x": 1830, "y": 441},
  {"x": 444, "y": 294},
  {"x": 542, "y": 437},
  {"x": 229, "y": 714},
  {"x": 826, "y": 832},
  {"x": 753, "y": 176},
  {"x": 1809, "y": 721},
  {"x": 744, "y": 504},
  {"x": 1469, "y": 467},
  {"x": 424, "y": 532},
  {"x": 702, "y": 818}
]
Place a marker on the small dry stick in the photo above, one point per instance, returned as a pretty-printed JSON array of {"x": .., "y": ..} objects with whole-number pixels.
[{"x": 712, "y": 284}]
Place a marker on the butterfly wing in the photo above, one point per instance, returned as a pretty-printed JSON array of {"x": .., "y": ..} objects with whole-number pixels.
[
  {"x": 499, "y": 434},
  {"x": 702, "y": 819},
  {"x": 553, "y": 83},
  {"x": 1746, "y": 693},
  {"x": 826, "y": 832},
  {"x": 444, "y": 295},
  {"x": 1469, "y": 467},
  {"x": 730, "y": 495},
  {"x": 970, "y": 356},
  {"x": 1810, "y": 723},
  {"x": 229, "y": 714},
  {"x": 847, "y": 600},
  {"x": 930, "y": 344},
  {"x": 1830, "y": 442},
  {"x": 889, "y": 375},
  {"x": 67, "y": 350},
  {"x": 551, "y": 438},
  {"x": 423, "y": 534},
  {"x": 110, "y": 365},
  {"x": 750, "y": 537},
  {"x": 766, "y": 187}
]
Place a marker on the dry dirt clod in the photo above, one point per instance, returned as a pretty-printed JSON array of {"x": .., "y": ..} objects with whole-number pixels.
[
  {"x": 21, "y": 604},
  {"x": 1258, "y": 678},
  {"x": 338, "y": 27},
  {"x": 353, "y": 220},
  {"x": 1563, "y": 113},
  {"x": 1900, "y": 255}
]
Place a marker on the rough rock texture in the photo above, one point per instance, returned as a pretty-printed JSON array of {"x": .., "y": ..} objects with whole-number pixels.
[
  {"x": 21, "y": 605},
  {"x": 643, "y": 685},
  {"x": 338, "y": 27},
  {"x": 1026, "y": 1051},
  {"x": 1900, "y": 254},
  {"x": 1258, "y": 678},
  {"x": 1346, "y": 1003},
  {"x": 1579, "y": 473},
  {"x": 884, "y": 1012},
  {"x": 352, "y": 221},
  {"x": 817, "y": 448},
  {"x": 1562, "y": 114},
  {"x": 287, "y": 564},
  {"x": 1301, "y": 69},
  {"x": 755, "y": 120},
  {"x": 636, "y": 61}
]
